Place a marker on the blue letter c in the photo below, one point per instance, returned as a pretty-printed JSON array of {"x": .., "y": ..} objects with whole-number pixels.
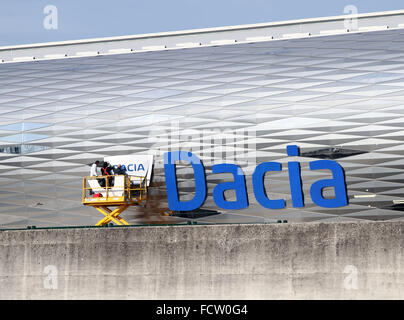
[{"x": 258, "y": 185}]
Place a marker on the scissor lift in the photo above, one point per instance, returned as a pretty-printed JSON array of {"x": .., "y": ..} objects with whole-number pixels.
[{"x": 119, "y": 192}]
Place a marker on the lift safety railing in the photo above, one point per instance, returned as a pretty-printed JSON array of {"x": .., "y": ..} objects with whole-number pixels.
[
  {"x": 119, "y": 191},
  {"x": 114, "y": 189}
]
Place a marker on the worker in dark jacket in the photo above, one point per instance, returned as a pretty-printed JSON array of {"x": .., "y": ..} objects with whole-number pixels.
[
  {"x": 106, "y": 170},
  {"x": 119, "y": 170}
]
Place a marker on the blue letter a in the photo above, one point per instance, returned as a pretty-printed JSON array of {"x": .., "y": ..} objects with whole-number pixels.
[
  {"x": 171, "y": 181},
  {"x": 338, "y": 182},
  {"x": 238, "y": 185}
]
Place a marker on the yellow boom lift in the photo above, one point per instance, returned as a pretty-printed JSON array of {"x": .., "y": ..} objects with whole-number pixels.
[{"x": 119, "y": 192}]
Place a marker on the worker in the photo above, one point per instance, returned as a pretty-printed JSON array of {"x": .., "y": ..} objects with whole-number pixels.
[
  {"x": 93, "y": 170},
  {"x": 106, "y": 170},
  {"x": 119, "y": 170}
]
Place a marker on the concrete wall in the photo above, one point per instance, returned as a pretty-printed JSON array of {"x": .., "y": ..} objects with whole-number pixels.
[{"x": 268, "y": 261}]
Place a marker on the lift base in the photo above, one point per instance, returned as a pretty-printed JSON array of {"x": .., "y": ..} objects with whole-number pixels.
[{"x": 112, "y": 215}]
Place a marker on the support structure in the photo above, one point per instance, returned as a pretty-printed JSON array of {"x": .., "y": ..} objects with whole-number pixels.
[
  {"x": 119, "y": 192},
  {"x": 112, "y": 215}
]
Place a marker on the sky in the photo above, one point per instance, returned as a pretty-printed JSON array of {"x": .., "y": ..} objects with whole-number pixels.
[{"x": 34, "y": 21}]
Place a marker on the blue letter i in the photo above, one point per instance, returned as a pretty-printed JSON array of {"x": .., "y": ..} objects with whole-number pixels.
[{"x": 294, "y": 177}]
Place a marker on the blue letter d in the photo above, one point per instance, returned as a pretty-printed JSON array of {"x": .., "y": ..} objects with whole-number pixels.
[{"x": 171, "y": 181}]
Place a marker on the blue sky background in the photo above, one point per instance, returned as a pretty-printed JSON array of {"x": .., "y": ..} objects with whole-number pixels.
[{"x": 21, "y": 21}]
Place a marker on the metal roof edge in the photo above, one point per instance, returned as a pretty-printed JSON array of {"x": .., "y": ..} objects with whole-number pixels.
[{"x": 203, "y": 30}]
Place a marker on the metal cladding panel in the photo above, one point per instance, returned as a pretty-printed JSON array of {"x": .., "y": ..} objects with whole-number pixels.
[{"x": 336, "y": 97}]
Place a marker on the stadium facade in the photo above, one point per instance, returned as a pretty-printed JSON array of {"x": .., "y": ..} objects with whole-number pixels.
[{"x": 332, "y": 86}]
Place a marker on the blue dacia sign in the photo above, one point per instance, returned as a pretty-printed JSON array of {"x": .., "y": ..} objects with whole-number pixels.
[{"x": 239, "y": 186}]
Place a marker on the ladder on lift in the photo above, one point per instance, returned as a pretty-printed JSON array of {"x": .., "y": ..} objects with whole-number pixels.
[{"x": 119, "y": 192}]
